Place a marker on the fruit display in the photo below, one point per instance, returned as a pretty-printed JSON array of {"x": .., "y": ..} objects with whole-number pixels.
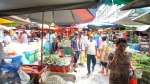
[{"x": 56, "y": 60}]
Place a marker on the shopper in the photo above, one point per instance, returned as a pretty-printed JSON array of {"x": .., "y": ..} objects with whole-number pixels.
[
  {"x": 119, "y": 63},
  {"x": 90, "y": 52},
  {"x": 7, "y": 38},
  {"x": 83, "y": 40},
  {"x": 75, "y": 44},
  {"x": 24, "y": 37},
  {"x": 128, "y": 39},
  {"x": 104, "y": 56},
  {"x": 49, "y": 41},
  {"x": 55, "y": 45}
]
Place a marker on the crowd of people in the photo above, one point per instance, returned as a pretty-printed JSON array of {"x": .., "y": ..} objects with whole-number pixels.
[{"x": 117, "y": 61}]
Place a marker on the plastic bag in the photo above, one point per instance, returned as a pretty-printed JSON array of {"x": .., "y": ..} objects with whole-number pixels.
[
  {"x": 11, "y": 67},
  {"x": 25, "y": 78},
  {"x": 17, "y": 60},
  {"x": 84, "y": 59},
  {"x": 11, "y": 32},
  {"x": 133, "y": 81}
]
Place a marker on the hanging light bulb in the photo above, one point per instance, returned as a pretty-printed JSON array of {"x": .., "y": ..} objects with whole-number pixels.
[{"x": 52, "y": 25}]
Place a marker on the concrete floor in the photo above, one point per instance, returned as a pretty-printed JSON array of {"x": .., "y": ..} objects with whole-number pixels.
[{"x": 94, "y": 78}]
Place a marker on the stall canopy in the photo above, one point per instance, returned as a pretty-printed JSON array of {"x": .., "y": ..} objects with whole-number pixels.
[
  {"x": 5, "y": 21},
  {"x": 32, "y": 6},
  {"x": 142, "y": 27},
  {"x": 18, "y": 19},
  {"x": 136, "y": 4},
  {"x": 144, "y": 18},
  {"x": 62, "y": 17},
  {"x": 101, "y": 25},
  {"x": 118, "y": 2}
]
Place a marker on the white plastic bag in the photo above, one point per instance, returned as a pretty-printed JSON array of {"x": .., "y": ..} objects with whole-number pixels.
[{"x": 25, "y": 78}]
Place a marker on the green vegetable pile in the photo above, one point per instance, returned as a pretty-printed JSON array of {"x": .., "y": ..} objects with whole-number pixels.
[
  {"x": 141, "y": 61},
  {"x": 56, "y": 60}
]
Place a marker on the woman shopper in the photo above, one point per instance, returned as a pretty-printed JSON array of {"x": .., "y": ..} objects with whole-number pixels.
[
  {"x": 91, "y": 52},
  {"x": 24, "y": 37},
  {"x": 119, "y": 63},
  {"x": 104, "y": 56}
]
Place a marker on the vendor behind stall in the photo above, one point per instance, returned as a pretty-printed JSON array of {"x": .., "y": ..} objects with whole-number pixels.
[
  {"x": 55, "y": 45},
  {"x": 7, "y": 38}
]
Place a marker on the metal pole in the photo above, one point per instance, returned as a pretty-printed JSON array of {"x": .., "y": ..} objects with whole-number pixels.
[
  {"x": 149, "y": 41},
  {"x": 49, "y": 42},
  {"x": 42, "y": 39}
]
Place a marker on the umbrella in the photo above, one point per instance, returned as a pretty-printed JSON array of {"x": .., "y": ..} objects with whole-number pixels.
[
  {"x": 62, "y": 17},
  {"x": 31, "y": 6},
  {"x": 5, "y": 21}
]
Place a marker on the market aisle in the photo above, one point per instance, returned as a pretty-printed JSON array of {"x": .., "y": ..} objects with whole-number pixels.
[{"x": 95, "y": 77}]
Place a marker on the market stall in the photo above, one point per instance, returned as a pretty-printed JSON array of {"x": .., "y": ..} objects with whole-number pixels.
[
  {"x": 28, "y": 53},
  {"x": 141, "y": 62},
  {"x": 60, "y": 61}
]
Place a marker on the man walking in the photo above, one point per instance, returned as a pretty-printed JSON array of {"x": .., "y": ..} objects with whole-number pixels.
[
  {"x": 90, "y": 51},
  {"x": 75, "y": 44}
]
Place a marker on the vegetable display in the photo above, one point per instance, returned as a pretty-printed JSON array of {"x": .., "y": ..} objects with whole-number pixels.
[
  {"x": 142, "y": 64},
  {"x": 56, "y": 60}
]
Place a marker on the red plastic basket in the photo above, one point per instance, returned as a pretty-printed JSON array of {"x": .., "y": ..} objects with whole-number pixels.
[{"x": 40, "y": 69}]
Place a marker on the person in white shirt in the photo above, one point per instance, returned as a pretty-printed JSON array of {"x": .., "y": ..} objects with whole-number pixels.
[
  {"x": 7, "y": 38},
  {"x": 91, "y": 52},
  {"x": 83, "y": 40}
]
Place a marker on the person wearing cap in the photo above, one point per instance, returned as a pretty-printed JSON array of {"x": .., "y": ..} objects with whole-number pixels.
[
  {"x": 91, "y": 52},
  {"x": 75, "y": 44}
]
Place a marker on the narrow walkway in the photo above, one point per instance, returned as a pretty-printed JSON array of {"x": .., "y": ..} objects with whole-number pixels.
[{"x": 94, "y": 78}]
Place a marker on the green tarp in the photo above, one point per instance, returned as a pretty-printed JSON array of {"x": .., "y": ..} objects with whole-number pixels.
[{"x": 118, "y": 2}]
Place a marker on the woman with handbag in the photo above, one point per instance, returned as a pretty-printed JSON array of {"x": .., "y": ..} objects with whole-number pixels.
[
  {"x": 104, "y": 56},
  {"x": 119, "y": 63}
]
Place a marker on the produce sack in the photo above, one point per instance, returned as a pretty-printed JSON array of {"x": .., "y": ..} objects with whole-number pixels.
[
  {"x": 11, "y": 67},
  {"x": 17, "y": 60}
]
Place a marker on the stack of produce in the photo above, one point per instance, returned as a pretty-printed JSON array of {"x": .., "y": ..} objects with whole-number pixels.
[
  {"x": 142, "y": 64},
  {"x": 56, "y": 60}
]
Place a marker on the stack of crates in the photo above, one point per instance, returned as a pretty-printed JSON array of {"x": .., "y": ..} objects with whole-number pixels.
[{"x": 31, "y": 56}]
